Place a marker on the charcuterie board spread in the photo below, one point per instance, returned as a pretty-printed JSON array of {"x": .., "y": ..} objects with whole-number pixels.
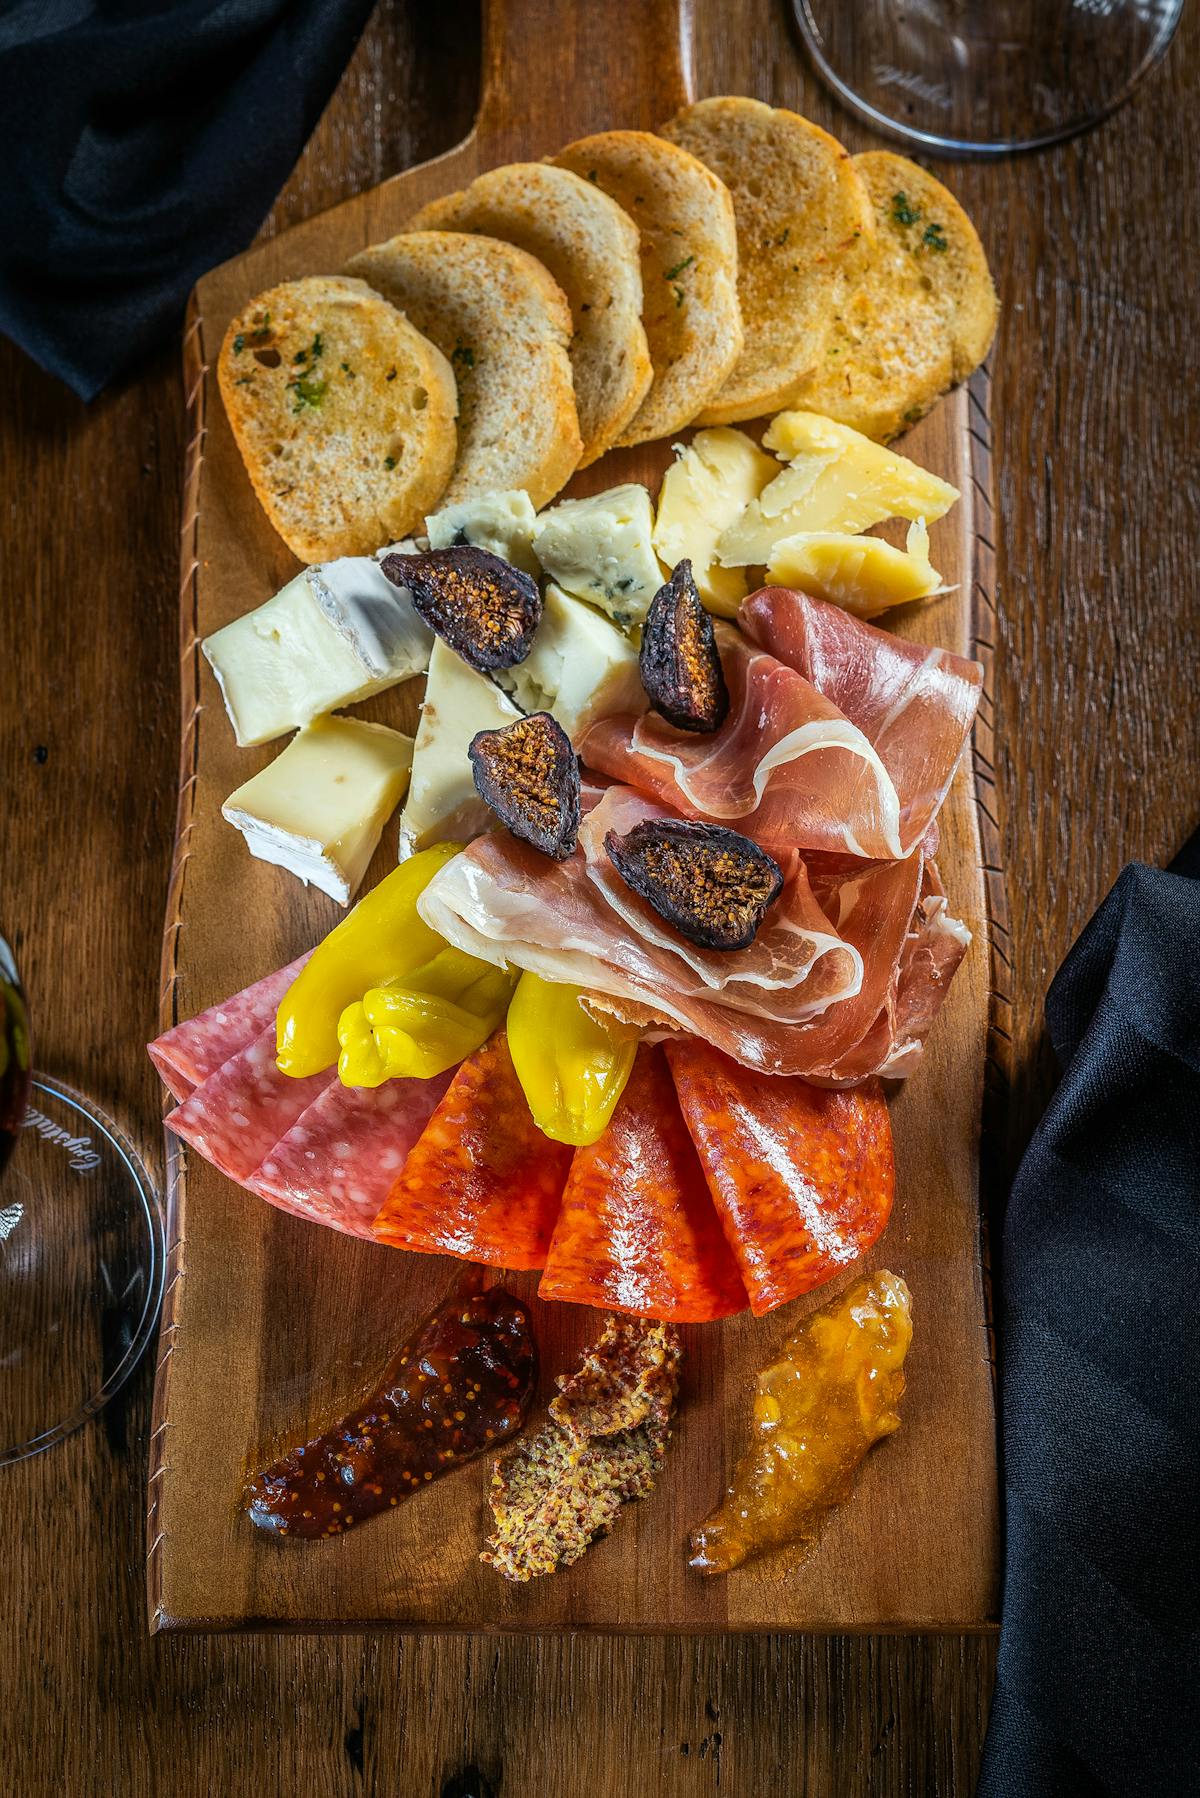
[{"x": 551, "y": 1177}]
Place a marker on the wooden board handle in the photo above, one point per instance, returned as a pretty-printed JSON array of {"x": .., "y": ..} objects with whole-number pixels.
[{"x": 578, "y": 66}]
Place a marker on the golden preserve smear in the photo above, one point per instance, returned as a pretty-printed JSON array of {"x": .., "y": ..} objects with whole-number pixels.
[{"x": 832, "y": 1392}]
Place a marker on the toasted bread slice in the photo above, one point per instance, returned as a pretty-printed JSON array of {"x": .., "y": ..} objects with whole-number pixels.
[
  {"x": 688, "y": 243},
  {"x": 501, "y": 318},
  {"x": 590, "y": 247},
  {"x": 924, "y": 315},
  {"x": 804, "y": 222},
  {"x": 343, "y": 412}
]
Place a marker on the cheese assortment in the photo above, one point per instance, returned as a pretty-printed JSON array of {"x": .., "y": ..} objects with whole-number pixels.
[
  {"x": 601, "y": 550},
  {"x": 835, "y": 480},
  {"x": 706, "y": 489},
  {"x": 334, "y": 635},
  {"x": 319, "y": 808},
  {"x": 581, "y": 667}
]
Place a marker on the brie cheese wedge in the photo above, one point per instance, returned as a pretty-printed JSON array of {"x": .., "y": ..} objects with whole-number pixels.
[
  {"x": 319, "y": 808},
  {"x": 337, "y": 633},
  {"x": 503, "y": 523},
  {"x": 704, "y": 491},
  {"x": 836, "y": 480},
  {"x": 580, "y": 667},
  {"x": 442, "y": 804},
  {"x": 601, "y": 550}
]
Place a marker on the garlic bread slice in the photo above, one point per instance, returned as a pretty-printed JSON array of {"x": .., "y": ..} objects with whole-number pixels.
[
  {"x": 590, "y": 246},
  {"x": 501, "y": 319},
  {"x": 688, "y": 250},
  {"x": 343, "y": 413},
  {"x": 923, "y": 316},
  {"x": 804, "y": 224}
]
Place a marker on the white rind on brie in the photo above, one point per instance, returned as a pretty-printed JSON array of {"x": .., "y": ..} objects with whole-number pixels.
[
  {"x": 319, "y": 808},
  {"x": 337, "y": 633}
]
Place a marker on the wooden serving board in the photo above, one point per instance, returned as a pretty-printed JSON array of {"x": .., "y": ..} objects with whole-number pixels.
[{"x": 273, "y": 1326}]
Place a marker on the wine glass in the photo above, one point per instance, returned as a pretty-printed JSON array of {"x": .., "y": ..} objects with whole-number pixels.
[
  {"x": 984, "y": 77},
  {"x": 82, "y": 1246}
]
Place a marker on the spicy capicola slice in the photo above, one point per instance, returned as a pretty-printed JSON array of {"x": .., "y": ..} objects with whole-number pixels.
[
  {"x": 802, "y": 1176},
  {"x": 481, "y": 1181},
  {"x": 637, "y": 1231},
  {"x": 459, "y": 1386}
]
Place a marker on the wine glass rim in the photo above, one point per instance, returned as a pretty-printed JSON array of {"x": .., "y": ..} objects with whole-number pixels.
[
  {"x": 967, "y": 149},
  {"x": 156, "y": 1265}
]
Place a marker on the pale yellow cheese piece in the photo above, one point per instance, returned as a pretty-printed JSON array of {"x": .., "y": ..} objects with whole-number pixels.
[
  {"x": 863, "y": 575},
  {"x": 320, "y": 807},
  {"x": 705, "y": 490},
  {"x": 581, "y": 667},
  {"x": 443, "y": 805},
  {"x": 836, "y": 480}
]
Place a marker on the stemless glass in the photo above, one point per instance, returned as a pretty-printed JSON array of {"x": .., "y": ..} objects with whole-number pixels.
[
  {"x": 984, "y": 77},
  {"x": 82, "y": 1249}
]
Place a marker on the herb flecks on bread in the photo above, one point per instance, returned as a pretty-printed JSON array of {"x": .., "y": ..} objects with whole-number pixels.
[
  {"x": 590, "y": 247},
  {"x": 503, "y": 322},
  {"x": 804, "y": 225},
  {"x": 923, "y": 316},
  {"x": 343, "y": 413}
]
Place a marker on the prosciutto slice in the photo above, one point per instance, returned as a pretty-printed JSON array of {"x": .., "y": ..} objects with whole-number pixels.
[
  {"x": 840, "y": 738},
  {"x": 576, "y": 921}
]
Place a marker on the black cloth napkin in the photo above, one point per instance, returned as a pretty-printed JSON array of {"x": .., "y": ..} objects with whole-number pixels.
[
  {"x": 1099, "y": 1677},
  {"x": 145, "y": 141}
]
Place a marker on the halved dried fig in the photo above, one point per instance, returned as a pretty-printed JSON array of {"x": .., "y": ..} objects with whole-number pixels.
[
  {"x": 484, "y": 608},
  {"x": 529, "y": 775},
  {"x": 714, "y": 885},
  {"x": 680, "y": 663}
]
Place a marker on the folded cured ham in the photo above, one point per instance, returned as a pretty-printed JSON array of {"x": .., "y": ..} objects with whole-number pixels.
[
  {"x": 840, "y": 738},
  {"x": 817, "y": 993}
]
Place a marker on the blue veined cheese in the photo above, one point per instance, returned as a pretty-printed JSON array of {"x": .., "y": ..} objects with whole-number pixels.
[
  {"x": 706, "y": 489},
  {"x": 835, "y": 480},
  {"x": 337, "y": 633},
  {"x": 503, "y": 523},
  {"x": 443, "y": 805},
  {"x": 601, "y": 549},
  {"x": 319, "y": 808},
  {"x": 580, "y": 668}
]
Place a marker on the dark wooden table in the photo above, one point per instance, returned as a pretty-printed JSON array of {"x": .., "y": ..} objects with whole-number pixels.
[{"x": 1098, "y": 646}]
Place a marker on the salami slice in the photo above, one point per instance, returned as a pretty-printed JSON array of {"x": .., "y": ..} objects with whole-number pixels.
[
  {"x": 802, "y": 1177},
  {"x": 239, "y": 1113},
  {"x": 637, "y": 1231},
  {"x": 186, "y": 1055},
  {"x": 340, "y": 1159},
  {"x": 482, "y": 1182}
]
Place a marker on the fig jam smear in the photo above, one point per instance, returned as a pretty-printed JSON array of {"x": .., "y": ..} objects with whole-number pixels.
[{"x": 459, "y": 1387}]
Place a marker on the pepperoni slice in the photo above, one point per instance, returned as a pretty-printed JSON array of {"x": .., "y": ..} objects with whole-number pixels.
[
  {"x": 186, "y": 1055},
  {"x": 337, "y": 1163},
  {"x": 637, "y": 1231},
  {"x": 802, "y": 1177},
  {"x": 238, "y": 1115},
  {"x": 482, "y": 1181}
]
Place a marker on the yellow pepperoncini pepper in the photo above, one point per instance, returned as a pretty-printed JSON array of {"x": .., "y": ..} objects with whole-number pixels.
[
  {"x": 382, "y": 939},
  {"x": 424, "y": 1022},
  {"x": 572, "y": 1067}
]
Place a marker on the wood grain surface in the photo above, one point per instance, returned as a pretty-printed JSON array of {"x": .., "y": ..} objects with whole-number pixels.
[
  {"x": 307, "y": 1310},
  {"x": 1096, "y": 761}
]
